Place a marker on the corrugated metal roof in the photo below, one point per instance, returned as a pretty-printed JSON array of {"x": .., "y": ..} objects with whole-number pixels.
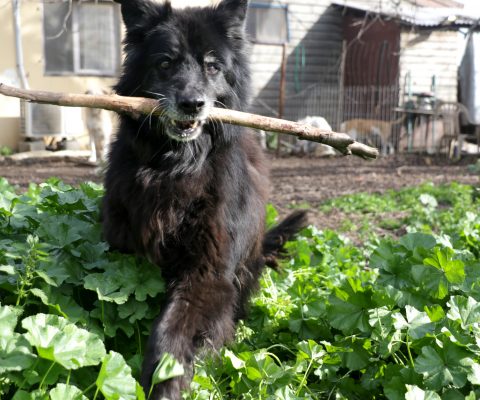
[
  {"x": 412, "y": 14},
  {"x": 437, "y": 3}
]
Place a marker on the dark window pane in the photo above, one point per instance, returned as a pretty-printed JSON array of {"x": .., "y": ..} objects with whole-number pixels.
[
  {"x": 267, "y": 24},
  {"x": 57, "y": 30}
]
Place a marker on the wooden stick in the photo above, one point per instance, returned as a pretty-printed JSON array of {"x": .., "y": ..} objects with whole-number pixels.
[{"x": 137, "y": 106}]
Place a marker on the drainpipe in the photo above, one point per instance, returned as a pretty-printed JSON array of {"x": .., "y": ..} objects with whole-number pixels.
[
  {"x": 25, "y": 107},
  {"x": 18, "y": 44}
]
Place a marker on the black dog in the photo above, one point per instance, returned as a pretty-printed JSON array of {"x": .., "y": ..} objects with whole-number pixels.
[{"x": 186, "y": 192}]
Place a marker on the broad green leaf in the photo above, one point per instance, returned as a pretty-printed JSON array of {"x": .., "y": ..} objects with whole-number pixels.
[
  {"x": 454, "y": 270},
  {"x": 110, "y": 286},
  {"x": 453, "y": 394},
  {"x": 15, "y": 353},
  {"x": 32, "y": 395},
  {"x": 123, "y": 279},
  {"x": 310, "y": 350},
  {"x": 107, "y": 314},
  {"x": 442, "y": 367},
  {"x": 431, "y": 279},
  {"x": 348, "y": 310},
  {"x": 474, "y": 376},
  {"x": 271, "y": 215},
  {"x": 133, "y": 310},
  {"x": 40, "y": 294},
  {"x": 58, "y": 340},
  {"x": 396, "y": 378},
  {"x": 414, "y": 240},
  {"x": 419, "y": 323},
  {"x": 63, "y": 230},
  {"x": 8, "y": 320},
  {"x": 428, "y": 200},
  {"x": 357, "y": 355},
  {"x": 139, "y": 392},
  {"x": 415, "y": 393},
  {"x": 60, "y": 303},
  {"x": 435, "y": 312},
  {"x": 167, "y": 368},
  {"x": 262, "y": 363},
  {"x": 236, "y": 362},
  {"x": 66, "y": 392},
  {"x": 381, "y": 319},
  {"x": 466, "y": 310},
  {"x": 8, "y": 269},
  {"x": 53, "y": 271},
  {"x": 115, "y": 379},
  {"x": 150, "y": 282},
  {"x": 285, "y": 393}
]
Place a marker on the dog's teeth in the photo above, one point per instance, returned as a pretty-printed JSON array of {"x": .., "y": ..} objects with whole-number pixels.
[{"x": 185, "y": 125}]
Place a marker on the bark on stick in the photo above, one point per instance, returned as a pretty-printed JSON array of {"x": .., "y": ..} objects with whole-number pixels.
[{"x": 138, "y": 106}]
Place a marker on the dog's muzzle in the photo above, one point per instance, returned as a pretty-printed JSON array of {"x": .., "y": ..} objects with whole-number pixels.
[{"x": 184, "y": 130}]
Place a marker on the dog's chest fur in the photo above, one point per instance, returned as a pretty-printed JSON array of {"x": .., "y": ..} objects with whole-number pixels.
[{"x": 169, "y": 217}]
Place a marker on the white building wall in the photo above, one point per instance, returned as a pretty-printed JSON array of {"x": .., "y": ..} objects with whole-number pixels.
[{"x": 426, "y": 54}]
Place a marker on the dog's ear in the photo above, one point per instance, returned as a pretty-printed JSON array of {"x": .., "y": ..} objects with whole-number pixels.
[
  {"x": 235, "y": 11},
  {"x": 136, "y": 12}
]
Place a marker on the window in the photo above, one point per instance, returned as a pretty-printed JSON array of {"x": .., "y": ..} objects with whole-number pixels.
[
  {"x": 81, "y": 38},
  {"x": 268, "y": 23}
]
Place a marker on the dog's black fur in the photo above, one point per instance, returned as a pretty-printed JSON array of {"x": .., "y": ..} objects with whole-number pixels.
[{"x": 187, "y": 193}]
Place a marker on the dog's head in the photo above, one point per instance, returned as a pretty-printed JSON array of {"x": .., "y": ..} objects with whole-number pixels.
[{"x": 190, "y": 60}]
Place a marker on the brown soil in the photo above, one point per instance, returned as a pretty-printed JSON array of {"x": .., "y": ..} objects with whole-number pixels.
[
  {"x": 308, "y": 182},
  {"x": 296, "y": 181}
]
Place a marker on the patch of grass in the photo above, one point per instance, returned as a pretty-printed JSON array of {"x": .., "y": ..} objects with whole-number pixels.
[
  {"x": 303, "y": 205},
  {"x": 425, "y": 208}
]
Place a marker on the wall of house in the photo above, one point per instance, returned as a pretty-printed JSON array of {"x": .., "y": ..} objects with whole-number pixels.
[
  {"x": 427, "y": 53},
  {"x": 32, "y": 38},
  {"x": 315, "y": 36}
]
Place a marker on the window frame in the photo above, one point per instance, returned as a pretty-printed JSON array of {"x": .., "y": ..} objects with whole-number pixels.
[
  {"x": 76, "y": 48},
  {"x": 287, "y": 22}
]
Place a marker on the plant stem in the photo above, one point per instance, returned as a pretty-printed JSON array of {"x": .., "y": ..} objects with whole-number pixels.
[
  {"x": 46, "y": 374},
  {"x": 409, "y": 351},
  {"x": 305, "y": 375},
  {"x": 139, "y": 338},
  {"x": 32, "y": 369},
  {"x": 150, "y": 391},
  {"x": 89, "y": 388}
]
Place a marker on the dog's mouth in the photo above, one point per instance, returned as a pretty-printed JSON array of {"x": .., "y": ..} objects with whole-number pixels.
[{"x": 184, "y": 130}]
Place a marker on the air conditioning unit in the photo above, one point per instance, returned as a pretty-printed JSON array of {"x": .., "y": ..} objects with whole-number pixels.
[{"x": 39, "y": 120}]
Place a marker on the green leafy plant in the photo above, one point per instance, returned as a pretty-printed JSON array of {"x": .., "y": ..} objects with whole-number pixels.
[
  {"x": 396, "y": 318},
  {"x": 72, "y": 307},
  {"x": 5, "y": 151}
]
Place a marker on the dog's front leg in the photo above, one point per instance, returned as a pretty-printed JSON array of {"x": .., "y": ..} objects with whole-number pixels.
[{"x": 199, "y": 310}]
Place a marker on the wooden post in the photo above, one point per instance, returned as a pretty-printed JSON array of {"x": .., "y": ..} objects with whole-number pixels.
[
  {"x": 281, "y": 100},
  {"x": 341, "y": 86}
]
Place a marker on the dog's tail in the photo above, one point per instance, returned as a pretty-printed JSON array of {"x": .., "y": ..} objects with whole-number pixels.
[{"x": 276, "y": 237}]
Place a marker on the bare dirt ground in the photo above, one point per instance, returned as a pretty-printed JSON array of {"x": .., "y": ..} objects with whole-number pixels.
[
  {"x": 296, "y": 181},
  {"x": 303, "y": 182}
]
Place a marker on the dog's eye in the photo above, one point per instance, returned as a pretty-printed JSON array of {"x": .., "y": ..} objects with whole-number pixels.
[
  {"x": 165, "y": 64},
  {"x": 212, "y": 68}
]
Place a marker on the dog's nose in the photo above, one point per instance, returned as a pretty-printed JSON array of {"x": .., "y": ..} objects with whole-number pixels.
[{"x": 191, "y": 105}]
